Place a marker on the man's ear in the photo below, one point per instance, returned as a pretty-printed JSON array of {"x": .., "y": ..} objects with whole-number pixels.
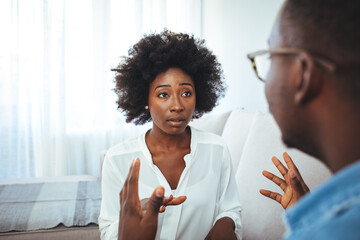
[{"x": 309, "y": 83}]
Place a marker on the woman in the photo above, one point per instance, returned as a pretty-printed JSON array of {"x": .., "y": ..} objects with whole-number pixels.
[{"x": 170, "y": 79}]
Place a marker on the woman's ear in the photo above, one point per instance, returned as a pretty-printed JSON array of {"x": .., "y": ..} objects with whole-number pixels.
[{"x": 309, "y": 83}]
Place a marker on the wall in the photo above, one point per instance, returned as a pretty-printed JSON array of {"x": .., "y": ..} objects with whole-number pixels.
[{"x": 233, "y": 28}]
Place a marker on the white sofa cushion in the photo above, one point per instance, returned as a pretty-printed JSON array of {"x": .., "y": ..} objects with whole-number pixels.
[
  {"x": 212, "y": 123},
  {"x": 261, "y": 216},
  {"x": 236, "y": 132}
]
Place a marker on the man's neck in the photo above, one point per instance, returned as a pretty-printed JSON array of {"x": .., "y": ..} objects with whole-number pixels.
[{"x": 339, "y": 136}]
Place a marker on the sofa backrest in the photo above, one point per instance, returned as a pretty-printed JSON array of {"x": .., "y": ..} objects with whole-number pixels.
[
  {"x": 212, "y": 123},
  {"x": 252, "y": 140}
]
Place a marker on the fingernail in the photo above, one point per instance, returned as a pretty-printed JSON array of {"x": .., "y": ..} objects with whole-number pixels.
[{"x": 159, "y": 192}]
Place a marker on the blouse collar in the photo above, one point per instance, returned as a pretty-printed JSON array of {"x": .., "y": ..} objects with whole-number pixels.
[{"x": 187, "y": 158}]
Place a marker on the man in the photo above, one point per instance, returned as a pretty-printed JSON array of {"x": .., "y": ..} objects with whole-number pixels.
[{"x": 313, "y": 92}]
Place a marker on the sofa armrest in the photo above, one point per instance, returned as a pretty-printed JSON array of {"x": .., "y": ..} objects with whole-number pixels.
[{"x": 262, "y": 217}]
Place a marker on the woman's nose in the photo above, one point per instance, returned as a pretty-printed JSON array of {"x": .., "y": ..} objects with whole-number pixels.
[{"x": 176, "y": 105}]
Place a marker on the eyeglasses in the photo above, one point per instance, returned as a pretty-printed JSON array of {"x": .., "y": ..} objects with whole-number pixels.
[{"x": 261, "y": 60}]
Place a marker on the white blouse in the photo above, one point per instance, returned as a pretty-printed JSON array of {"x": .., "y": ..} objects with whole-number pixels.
[{"x": 207, "y": 181}]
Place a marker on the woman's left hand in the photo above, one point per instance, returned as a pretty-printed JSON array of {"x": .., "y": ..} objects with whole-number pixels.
[{"x": 223, "y": 229}]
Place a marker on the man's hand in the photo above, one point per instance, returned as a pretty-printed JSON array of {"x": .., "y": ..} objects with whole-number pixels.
[
  {"x": 133, "y": 223},
  {"x": 292, "y": 183},
  {"x": 223, "y": 229}
]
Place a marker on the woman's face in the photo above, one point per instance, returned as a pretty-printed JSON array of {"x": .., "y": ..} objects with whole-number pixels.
[{"x": 172, "y": 101}]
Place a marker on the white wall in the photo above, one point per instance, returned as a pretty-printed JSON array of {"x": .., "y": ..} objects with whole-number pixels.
[{"x": 233, "y": 28}]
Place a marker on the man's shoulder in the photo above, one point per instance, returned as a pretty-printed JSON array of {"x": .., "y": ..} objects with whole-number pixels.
[
  {"x": 332, "y": 211},
  {"x": 342, "y": 224}
]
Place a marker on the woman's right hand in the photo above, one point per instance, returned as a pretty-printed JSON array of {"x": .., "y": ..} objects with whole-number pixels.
[
  {"x": 133, "y": 223},
  {"x": 168, "y": 201}
]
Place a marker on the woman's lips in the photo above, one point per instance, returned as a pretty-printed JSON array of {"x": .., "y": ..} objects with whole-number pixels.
[{"x": 176, "y": 122}]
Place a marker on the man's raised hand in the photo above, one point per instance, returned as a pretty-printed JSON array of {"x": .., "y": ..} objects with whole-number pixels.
[{"x": 292, "y": 183}]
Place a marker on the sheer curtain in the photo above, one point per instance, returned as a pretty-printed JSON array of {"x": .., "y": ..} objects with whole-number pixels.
[
  {"x": 58, "y": 111},
  {"x": 57, "y": 107}
]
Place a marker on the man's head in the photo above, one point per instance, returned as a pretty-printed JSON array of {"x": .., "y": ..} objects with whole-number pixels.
[
  {"x": 300, "y": 91},
  {"x": 330, "y": 28}
]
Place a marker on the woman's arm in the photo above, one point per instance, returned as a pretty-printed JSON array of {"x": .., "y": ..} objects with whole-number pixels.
[
  {"x": 111, "y": 184},
  {"x": 224, "y": 228},
  {"x": 227, "y": 224}
]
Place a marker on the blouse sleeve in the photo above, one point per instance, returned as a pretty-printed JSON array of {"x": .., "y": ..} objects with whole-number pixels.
[
  {"x": 229, "y": 203},
  {"x": 111, "y": 185}
]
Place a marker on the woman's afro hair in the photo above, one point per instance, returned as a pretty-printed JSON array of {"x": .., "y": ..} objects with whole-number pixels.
[{"x": 154, "y": 54}]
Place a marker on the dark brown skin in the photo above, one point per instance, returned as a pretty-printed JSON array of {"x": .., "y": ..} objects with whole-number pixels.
[
  {"x": 312, "y": 114},
  {"x": 145, "y": 203},
  {"x": 223, "y": 229},
  {"x": 172, "y": 96},
  {"x": 292, "y": 183},
  {"x": 133, "y": 222},
  {"x": 169, "y": 159},
  {"x": 172, "y": 100}
]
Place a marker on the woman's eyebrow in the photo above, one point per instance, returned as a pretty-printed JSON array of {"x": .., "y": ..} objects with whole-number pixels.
[
  {"x": 188, "y": 84},
  {"x": 166, "y": 85}
]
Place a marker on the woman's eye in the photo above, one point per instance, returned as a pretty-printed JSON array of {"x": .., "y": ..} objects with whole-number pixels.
[
  {"x": 162, "y": 95},
  {"x": 186, "y": 94}
]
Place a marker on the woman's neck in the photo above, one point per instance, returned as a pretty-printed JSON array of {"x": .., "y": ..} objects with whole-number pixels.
[{"x": 159, "y": 140}]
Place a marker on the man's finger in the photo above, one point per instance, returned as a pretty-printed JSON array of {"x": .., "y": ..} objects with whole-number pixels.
[
  {"x": 295, "y": 183},
  {"x": 275, "y": 179},
  {"x": 282, "y": 169},
  {"x": 291, "y": 165},
  {"x": 289, "y": 162},
  {"x": 275, "y": 196}
]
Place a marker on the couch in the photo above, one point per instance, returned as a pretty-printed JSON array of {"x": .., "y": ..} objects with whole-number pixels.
[
  {"x": 252, "y": 140},
  {"x": 50, "y": 208}
]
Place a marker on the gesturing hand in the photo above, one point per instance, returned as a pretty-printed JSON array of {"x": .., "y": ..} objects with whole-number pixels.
[
  {"x": 133, "y": 223},
  {"x": 168, "y": 201},
  {"x": 293, "y": 185}
]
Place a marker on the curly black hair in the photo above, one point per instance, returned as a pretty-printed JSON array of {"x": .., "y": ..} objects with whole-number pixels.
[{"x": 154, "y": 54}]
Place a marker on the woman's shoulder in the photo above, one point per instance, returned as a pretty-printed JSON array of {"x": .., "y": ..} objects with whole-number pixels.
[
  {"x": 126, "y": 147},
  {"x": 118, "y": 159}
]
